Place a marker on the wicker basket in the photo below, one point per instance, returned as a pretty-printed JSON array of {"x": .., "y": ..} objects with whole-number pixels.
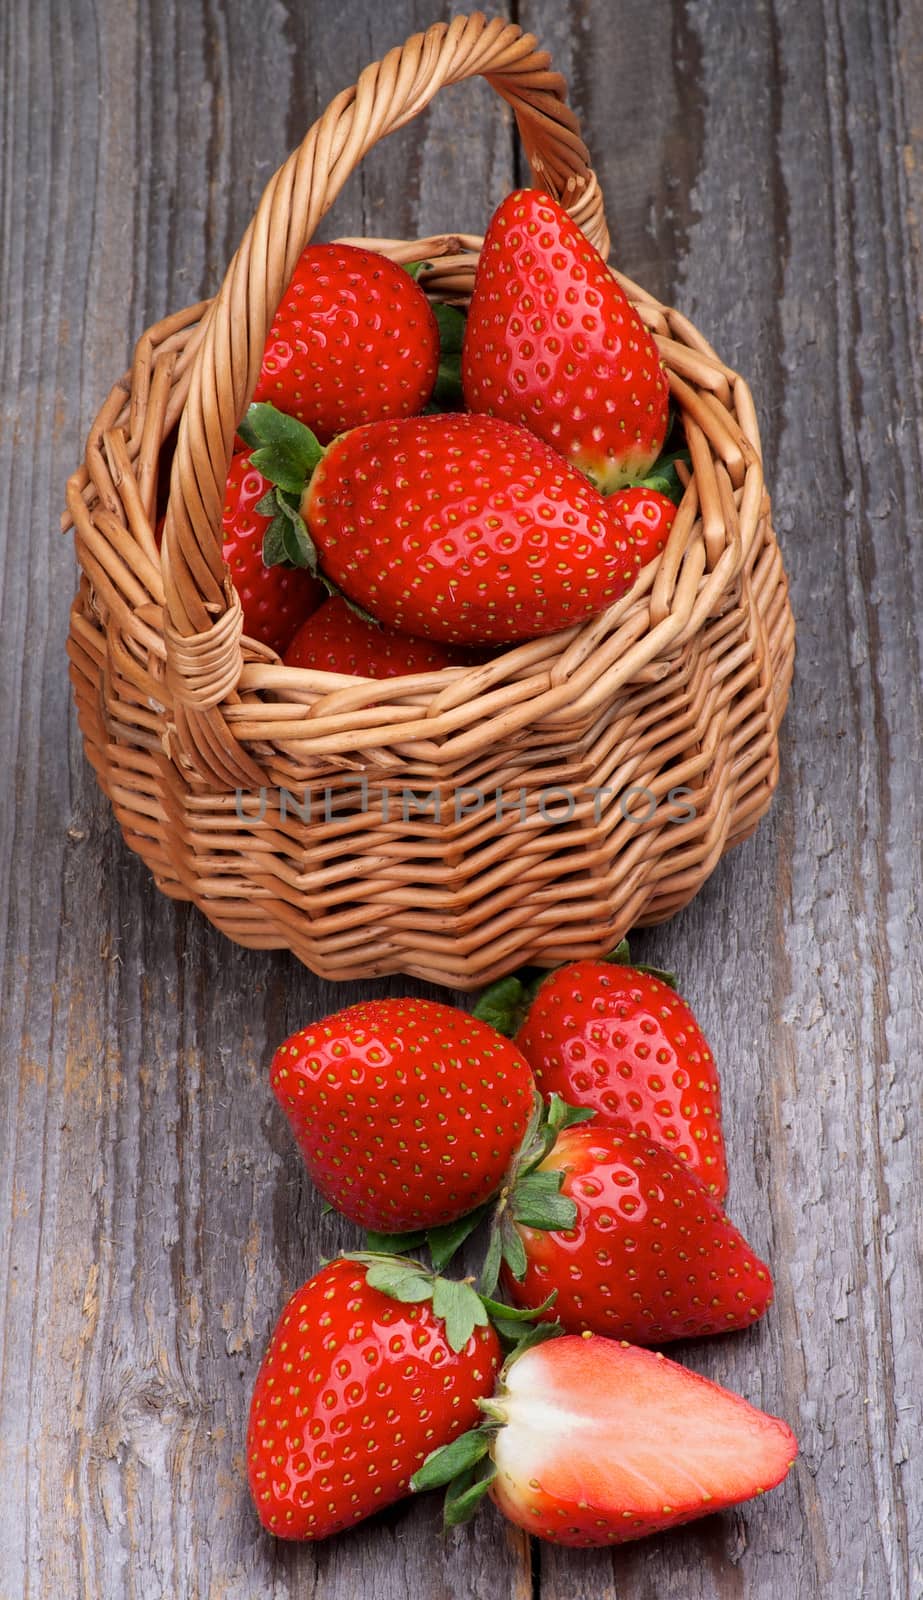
[{"x": 457, "y": 823}]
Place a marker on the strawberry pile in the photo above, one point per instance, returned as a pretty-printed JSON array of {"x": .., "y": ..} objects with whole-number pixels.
[
  {"x": 452, "y": 480},
  {"x": 569, "y": 1134}
]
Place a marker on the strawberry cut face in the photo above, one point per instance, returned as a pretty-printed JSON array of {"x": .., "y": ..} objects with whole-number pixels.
[
  {"x": 603, "y": 1443},
  {"x": 553, "y": 343}
]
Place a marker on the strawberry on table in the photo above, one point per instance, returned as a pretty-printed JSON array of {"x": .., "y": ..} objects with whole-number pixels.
[
  {"x": 407, "y": 1112},
  {"x": 621, "y": 1041},
  {"x": 553, "y": 343},
  {"x": 337, "y": 639},
  {"x": 648, "y": 1255},
  {"x": 356, "y": 1387},
  {"x": 590, "y": 1442},
  {"x": 276, "y": 600},
  {"x": 353, "y": 339},
  {"x": 460, "y": 528}
]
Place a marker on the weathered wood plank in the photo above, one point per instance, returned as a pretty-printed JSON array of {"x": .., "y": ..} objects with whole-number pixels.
[
  {"x": 762, "y": 169},
  {"x": 796, "y": 255}
]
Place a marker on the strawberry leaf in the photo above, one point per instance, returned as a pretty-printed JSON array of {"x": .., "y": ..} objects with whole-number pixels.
[
  {"x": 287, "y": 452},
  {"x": 541, "y": 1332},
  {"x": 621, "y": 956},
  {"x": 393, "y": 1243},
  {"x": 414, "y": 268},
  {"x": 536, "y": 1202},
  {"x": 512, "y": 1249},
  {"x": 444, "y": 1242},
  {"x": 444, "y": 1464},
  {"x": 460, "y": 1308},
  {"x": 464, "y": 1494},
  {"x": 490, "y": 1271},
  {"x": 516, "y": 1314},
  {"x": 501, "y": 1006},
  {"x": 405, "y": 1284},
  {"x": 561, "y": 1115}
]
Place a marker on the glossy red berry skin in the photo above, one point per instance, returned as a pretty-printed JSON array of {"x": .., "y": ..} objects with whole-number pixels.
[
  {"x": 353, "y": 1392},
  {"x": 336, "y": 639},
  {"x": 465, "y": 529},
  {"x": 651, "y": 1256},
  {"x": 622, "y": 1042},
  {"x": 648, "y": 517},
  {"x": 553, "y": 343},
  {"x": 275, "y": 600},
  {"x": 407, "y": 1112},
  {"x": 354, "y": 339}
]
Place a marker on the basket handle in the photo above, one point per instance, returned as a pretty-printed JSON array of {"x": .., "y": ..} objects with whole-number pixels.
[{"x": 203, "y": 627}]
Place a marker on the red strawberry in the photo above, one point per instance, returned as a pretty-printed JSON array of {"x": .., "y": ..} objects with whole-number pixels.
[
  {"x": 407, "y": 1112},
  {"x": 649, "y": 1257},
  {"x": 553, "y": 343},
  {"x": 458, "y": 528},
  {"x": 275, "y": 600},
  {"x": 624, "y": 1043},
  {"x": 353, "y": 1392},
  {"x": 648, "y": 517},
  {"x": 354, "y": 339},
  {"x": 600, "y": 1443},
  {"x": 336, "y": 639}
]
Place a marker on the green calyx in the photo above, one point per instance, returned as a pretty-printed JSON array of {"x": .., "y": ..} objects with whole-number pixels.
[
  {"x": 529, "y": 1198},
  {"x": 506, "y": 1004},
  {"x": 663, "y": 476},
  {"x": 287, "y": 453},
  {"x": 447, "y": 391},
  {"x": 465, "y": 1467},
  {"x": 459, "y": 1306}
]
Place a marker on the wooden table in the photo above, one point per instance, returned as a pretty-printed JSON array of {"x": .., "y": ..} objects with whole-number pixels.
[{"x": 764, "y": 171}]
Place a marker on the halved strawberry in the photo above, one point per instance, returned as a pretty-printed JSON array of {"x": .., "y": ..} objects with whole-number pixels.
[{"x": 590, "y": 1442}]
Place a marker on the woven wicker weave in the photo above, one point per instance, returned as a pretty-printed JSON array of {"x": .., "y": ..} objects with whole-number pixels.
[{"x": 211, "y": 752}]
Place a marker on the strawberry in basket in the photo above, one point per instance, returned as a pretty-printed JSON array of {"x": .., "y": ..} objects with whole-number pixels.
[
  {"x": 553, "y": 343},
  {"x": 354, "y": 339},
  {"x": 336, "y": 639},
  {"x": 464, "y": 529},
  {"x": 275, "y": 600}
]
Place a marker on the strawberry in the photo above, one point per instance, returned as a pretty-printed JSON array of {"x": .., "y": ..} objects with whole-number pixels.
[
  {"x": 459, "y": 528},
  {"x": 592, "y": 1442},
  {"x": 275, "y": 599},
  {"x": 648, "y": 517},
  {"x": 354, "y": 339},
  {"x": 649, "y": 1256},
  {"x": 356, "y": 1387},
  {"x": 621, "y": 1041},
  {"x": 553, "y": 343},
  {"x": 407, "y": 1112},
  {"x": 336, "y": 639}
]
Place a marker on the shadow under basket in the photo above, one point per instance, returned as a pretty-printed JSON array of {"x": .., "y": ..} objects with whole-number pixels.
[{"x": 453, "y": 824}]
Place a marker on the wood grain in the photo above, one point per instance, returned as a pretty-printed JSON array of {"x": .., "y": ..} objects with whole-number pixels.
[{"x": 763, "y": 171}]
